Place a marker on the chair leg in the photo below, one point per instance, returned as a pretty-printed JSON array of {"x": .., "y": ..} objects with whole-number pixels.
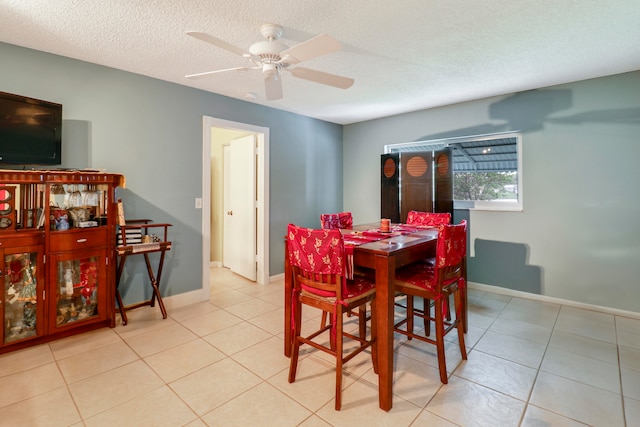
[
  {"x": 362, "y": 321},
  {"x": 293, "y": 365},
  {"x": 409, "y": 316},
  {"x": 439, "y": 324},
  {"x": 426, "y": 305},
  {"x": 459, "y": 307},
  {"x": 339, "y": 358}
]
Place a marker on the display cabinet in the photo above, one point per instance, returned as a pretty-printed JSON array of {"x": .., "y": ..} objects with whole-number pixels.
[{"x": 57, "y": 254}]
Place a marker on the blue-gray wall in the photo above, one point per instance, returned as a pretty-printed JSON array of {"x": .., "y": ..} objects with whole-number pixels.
[
  {"x": 151, "y": 131},
  {"x": 578, "y": 237}
]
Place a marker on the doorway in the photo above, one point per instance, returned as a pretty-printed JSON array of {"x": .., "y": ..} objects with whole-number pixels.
[{"x": 210, "y": 125}]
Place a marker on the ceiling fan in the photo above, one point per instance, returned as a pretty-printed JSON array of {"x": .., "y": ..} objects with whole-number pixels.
[{"x": 271, "y": 57}]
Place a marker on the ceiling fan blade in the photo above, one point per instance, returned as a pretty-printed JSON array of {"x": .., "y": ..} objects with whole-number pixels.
[
  {"x": 209, "y": 73},
  {"x": 217, "y": 42},
  {"x": 273, "y": 87},
  {"x": 312, "y": 48},
  {"x": 322, "y": 77}
]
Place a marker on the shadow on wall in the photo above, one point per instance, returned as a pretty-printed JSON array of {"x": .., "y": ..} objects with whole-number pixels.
[{"x": 504, "y": 264}]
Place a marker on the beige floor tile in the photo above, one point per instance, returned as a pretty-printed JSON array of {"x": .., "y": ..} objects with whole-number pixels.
[
  {"x": 109, "y": 389},
  {"x": 315, "y": 383},
  {"x": 589, "y": 347},
  {"x": 466, "y": 403},
  {"x": 192, "y": 310},
  {"x": 498, "y": 374},
  {"x": 276, "y": 298},
  {"x": 582, "y": 402},
  {"x": 158, "y": 340},
  {"x": 26, "y": 384},
  {"x": 81, "y": 343},
  {"x": 96, "y": 361},
  {"x": 264, "y": 359},
  {"x": 249, "y": 309},
  {"x": 237, "y": 337},
  {"x": 183, "y": 359},
  {"x": 538, "y": 313},
  {"x": 143, "y": 320},
  {"x": 257, "y": 291},
  {"x": 158, "y": 408},
  {"x": 427, "y": 418},
  {"x": 229, "y": 298},
  {"x": 264, "y": 403},
  {"x": 537, "y": 417},
  {"x": 628, "y": 331},
  {"x": 629, "y": 358},
  {"x": 630, "y": 383},
  {"x": 360, "y": 407},
  {"x": 586, "y": 323},
  {"x": 314, "y": 421},
  {"x": 632, "y": 411},
  {"x": 51, "y": 409},
  {"x": 272, "y": 321},
  {"x": 523, "y": 330},
  {"x": 414, "y": 381},
  {"x": 214, "y": 385},
  {"x": 211, "y": 322},
  {"x": 512, "y": 348},
  {"x": 196, "y": 423},
  {"x": 582, "y": 368},
  {"x": 24, "y": 359}
]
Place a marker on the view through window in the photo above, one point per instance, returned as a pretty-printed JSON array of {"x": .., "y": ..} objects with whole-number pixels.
[{"x": 486, "y": 169}]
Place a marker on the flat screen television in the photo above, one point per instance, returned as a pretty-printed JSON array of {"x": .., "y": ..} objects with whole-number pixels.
[{"x": 30, "y": 131}]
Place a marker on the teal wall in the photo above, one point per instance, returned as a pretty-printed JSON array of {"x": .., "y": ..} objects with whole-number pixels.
[
  {"x": 151, "y": 131},
  {"x": 578, "y": 237}
]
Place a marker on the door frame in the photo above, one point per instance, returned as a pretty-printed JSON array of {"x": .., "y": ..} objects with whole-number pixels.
[{"x": 262, "y": 174}]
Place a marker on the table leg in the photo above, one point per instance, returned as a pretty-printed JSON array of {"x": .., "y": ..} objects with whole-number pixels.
[
  {"x": 288, "y": 287},
  {"x": 385, "y": 277},
  {"x": 123, "y": 314}
]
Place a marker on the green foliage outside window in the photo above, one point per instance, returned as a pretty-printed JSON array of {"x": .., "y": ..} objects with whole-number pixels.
[{"x": 485, "y": 185}]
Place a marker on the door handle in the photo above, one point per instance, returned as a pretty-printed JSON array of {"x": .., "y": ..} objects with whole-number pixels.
[{"x": 229, "y": 212}]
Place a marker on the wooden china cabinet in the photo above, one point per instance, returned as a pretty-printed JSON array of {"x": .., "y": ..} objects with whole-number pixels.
[{"x": 57, "y": 254}]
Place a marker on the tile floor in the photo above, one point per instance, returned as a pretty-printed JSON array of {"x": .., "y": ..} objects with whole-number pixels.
[{"x": 221, "y": 363}]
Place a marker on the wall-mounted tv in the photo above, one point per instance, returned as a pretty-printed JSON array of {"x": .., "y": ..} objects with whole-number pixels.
[{"x": 30, "y": 131}]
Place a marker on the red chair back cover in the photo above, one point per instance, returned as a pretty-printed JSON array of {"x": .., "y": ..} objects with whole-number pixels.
[
  {"x": 432, "y": 219},
  {"x": 320, "y": 252},
  {"x": 452, "y": 244},
  {"x": 336, "y": 220}
]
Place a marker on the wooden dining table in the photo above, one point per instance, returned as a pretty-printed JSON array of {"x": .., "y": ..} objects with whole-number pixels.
[{"x": 384, "y": 256}]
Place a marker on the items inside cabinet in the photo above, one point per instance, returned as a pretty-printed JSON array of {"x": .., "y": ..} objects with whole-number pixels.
[
  {"x": 20, "y": 297},
  {"x": 77, "y": 206}
]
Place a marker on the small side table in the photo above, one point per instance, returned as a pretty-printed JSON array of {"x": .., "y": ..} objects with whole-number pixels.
[{"x": 126, "y": 249}]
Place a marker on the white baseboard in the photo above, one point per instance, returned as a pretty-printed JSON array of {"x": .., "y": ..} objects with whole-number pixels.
[
  {"x": 545, "y": 298},
  {"x": 187, "y": 298},
  {"x": 215, "y": 264}
]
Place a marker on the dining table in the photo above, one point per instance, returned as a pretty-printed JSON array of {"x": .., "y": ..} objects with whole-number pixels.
[{"x": 404, "y": 245}]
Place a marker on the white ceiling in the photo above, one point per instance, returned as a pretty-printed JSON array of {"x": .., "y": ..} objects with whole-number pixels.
[{"x": 404, "y": 55}]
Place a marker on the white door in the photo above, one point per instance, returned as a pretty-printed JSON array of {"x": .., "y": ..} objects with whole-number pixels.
[{"x": 239, "y": 250}]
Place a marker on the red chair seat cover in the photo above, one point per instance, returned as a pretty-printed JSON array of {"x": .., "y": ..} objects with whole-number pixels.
[
  {"x": 430, "y": 219},
  {"x": 337, "y": 220}
]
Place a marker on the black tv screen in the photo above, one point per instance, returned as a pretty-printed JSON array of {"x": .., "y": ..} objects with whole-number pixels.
[{"x": 30, "y": 131}]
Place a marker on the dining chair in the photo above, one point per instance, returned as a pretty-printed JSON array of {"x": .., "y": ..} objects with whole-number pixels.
[
  {"x": 341, "y": 220},
  {"x": 336, "y": 220},
  {"x": 436, "y": 283},
  {"x": 318, "y": 259},
  {"x": 431, "y": 219}
]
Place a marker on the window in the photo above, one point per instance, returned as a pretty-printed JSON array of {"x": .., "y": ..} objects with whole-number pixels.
[{"x": 487, "y": 169}]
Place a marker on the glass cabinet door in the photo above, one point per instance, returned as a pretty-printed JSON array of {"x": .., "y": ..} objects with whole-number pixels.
[
  {"x": 22, "y": 311},
  {"x": 78, "y": 291}
]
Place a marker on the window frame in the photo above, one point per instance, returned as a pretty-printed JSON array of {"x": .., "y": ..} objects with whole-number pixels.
[{"x": 511, "y": 205}]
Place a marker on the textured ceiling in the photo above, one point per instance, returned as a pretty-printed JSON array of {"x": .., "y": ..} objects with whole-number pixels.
[{"x": 404, "y": 55}]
